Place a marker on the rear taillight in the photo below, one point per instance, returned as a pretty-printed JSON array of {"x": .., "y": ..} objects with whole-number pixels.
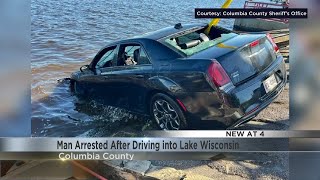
[
  {"x": 255, "y": 43},
  {"x": 275, "y": 47},
  {"x": 218, "y": 75}
]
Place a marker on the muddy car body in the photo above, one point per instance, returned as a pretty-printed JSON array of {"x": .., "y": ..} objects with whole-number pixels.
[{"x": 182, "y": 77}]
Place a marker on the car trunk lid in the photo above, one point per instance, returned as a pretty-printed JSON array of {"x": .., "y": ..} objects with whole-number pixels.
[{"x": 243, "y": 56}]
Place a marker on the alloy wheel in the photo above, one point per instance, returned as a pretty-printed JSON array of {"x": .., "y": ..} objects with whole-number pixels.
[{"x": 165, "y": 115}]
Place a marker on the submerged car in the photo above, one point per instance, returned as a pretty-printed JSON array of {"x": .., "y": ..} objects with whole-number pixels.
[{"x": 182, "y": 77}]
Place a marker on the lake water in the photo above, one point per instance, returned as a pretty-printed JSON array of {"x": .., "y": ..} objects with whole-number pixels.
[{"x": 66, "y": 34}]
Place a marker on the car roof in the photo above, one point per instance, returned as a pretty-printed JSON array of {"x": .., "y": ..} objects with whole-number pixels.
[
  {"x": 164, "y": 32},
  {"x": 159, "y": 34}
]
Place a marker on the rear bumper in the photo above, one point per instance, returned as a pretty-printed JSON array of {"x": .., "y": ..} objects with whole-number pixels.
[{"x": 261, "y": 107}]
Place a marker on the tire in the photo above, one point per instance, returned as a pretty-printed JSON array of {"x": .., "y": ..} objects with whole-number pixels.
[{"x": 167, "y": 113}]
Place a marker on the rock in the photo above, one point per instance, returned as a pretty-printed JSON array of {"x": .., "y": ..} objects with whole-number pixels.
[
  {"x": 140, "y": 167},
  {"x": 165, "y": 173},
  {"x": 117, "y": 163}
]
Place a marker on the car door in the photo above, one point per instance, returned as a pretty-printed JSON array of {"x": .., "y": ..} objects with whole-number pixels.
[
  {"x": 132, "y": 79},
  {"x": 99, "y": 82}
]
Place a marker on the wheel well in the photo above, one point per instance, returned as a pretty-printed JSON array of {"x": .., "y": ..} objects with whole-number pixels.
[
  {"x": 152, "y": 93},
  {"x": 149, "y": 96}
]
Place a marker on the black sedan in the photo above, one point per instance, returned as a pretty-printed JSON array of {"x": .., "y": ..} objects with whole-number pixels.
[{"x": 182, "y": 77}]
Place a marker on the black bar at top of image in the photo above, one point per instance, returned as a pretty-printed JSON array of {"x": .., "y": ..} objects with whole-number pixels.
[{"x": 293, "y": 13}]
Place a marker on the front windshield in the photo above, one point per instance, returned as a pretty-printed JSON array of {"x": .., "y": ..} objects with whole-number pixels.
[{"x": 108, "y": 56}]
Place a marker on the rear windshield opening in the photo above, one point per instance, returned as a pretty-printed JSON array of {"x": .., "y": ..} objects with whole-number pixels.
[{"x": 194, "y": 42}]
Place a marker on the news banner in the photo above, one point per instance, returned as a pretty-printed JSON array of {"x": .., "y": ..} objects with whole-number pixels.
[{"x": 159, "y": 145}]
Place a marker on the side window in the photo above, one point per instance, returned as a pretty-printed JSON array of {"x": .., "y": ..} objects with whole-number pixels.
[
  {"x": 143, "y": 59},
  {"x": 132, "y": 55},
  {"x": 130, "y": 50},
  {"x": 107, "y": 57}
]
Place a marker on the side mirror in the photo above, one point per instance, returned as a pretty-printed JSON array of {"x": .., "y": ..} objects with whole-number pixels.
[{"x": 85, "y": 67}]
